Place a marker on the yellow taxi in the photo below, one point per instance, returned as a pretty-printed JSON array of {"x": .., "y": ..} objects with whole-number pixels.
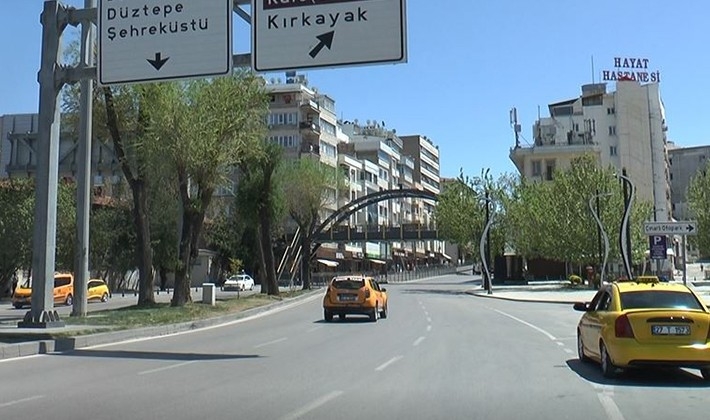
[
  {"x": 359, "y": 295},
  {"x": 644, "y": 322},
  {"x": 63, "y": 291},
  {"x": 97, "y": 290}
]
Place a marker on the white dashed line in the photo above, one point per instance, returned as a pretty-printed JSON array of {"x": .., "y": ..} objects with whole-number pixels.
[
  {"x": 312, "y": 406},
  {"x": 569, "y": 351},
  {"x": 560, "y": 343},
  {"x": 20, "y": 401},
  {"x": 268, "y": 343},
  {"x": 314, "y": 329},
  {"x": 428, "y": 327},
  {"x": 418, "y": 341},
  {"x": 386, "y": 364},
  {"x": 606, "y": 398},
  {"x": 177, "y": 365}
]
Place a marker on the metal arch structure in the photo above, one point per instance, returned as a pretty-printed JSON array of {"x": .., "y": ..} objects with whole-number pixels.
[{"x": 362, "y": 202}]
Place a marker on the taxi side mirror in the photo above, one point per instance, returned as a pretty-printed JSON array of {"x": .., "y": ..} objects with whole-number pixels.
[
  {"x": 581, "y": 306},
  {"x": 383, "y": 289}
]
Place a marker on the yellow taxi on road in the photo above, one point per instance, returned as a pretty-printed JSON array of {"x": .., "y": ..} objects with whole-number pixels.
[
  {"x": 644, "y": 322},
  {"x": 97, "y": 289},
  {"x": 63, "y": 291},
  {"x": 355, "y": 295}
]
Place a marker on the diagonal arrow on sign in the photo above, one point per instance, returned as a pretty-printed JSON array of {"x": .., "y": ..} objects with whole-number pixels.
[{"x": 325, "y": 40}]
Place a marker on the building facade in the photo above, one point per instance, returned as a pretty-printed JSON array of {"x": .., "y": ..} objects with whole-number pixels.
[{"x": 624, "y": 129}]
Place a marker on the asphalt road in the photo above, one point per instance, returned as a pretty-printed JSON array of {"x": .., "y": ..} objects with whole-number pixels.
[{"x": 441, "y": 354}]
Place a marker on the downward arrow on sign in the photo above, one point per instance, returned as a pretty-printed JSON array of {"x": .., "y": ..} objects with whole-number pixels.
[{"x": 158, "y": 62}]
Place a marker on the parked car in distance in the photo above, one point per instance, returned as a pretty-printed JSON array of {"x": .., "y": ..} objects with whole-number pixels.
[
  {"x": 63, "y": 291},
  {"x": 645, "y": 322},
  {"x": 239, "y": 282},
  {"x": 351, "y": 295},
  {"x": 97, "y": 289}
]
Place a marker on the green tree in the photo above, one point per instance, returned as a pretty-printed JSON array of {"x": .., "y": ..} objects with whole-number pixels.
[
  {"x": 699, "y": 205},
  {"x": 16, "y": 216},
  {"x": 260, "y": 200},
  {"x": 309, "y": 187},
  {"x": 202, "y": 127}
]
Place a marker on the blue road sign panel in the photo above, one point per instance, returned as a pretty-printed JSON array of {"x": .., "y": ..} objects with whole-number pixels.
[{"x": 657, "y": 244}]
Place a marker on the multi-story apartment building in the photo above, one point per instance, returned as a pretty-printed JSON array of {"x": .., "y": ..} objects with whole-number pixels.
[
  {"x": 625, "y": 129},
  {"x": 426, "y": 176}
]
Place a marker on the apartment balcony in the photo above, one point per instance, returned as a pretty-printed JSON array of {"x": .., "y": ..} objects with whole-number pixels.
[
  {"x": 307, "y": 105},
  {"x": 309, "y": 129},
  {"x": 561, "y": 152},
  {"x": 308, "y": 148}
]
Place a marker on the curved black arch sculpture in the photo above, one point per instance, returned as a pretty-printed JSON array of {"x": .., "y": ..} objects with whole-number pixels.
[{"x": 362, "y": 202}]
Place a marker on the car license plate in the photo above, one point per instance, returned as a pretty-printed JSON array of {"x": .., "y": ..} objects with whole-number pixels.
[
  {"x": 346, "y": 298},
  {"x": 670, "y": 330}
]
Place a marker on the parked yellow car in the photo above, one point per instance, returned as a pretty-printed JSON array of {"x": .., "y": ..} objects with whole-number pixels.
[
  {"x": 354, "y": 295},
  {"x": 63, "y": 291},
  {"x": 638, "y": 323}
]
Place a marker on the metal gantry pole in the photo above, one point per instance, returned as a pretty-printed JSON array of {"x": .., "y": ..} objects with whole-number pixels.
[
  {"x": 83, "y": 192},
  {"x": 42, "y": 313}
]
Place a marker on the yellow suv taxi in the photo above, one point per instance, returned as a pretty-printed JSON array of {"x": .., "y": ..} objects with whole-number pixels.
[
  {"x": 63, "y": 291},
  {"x": 354, "y": 295}
]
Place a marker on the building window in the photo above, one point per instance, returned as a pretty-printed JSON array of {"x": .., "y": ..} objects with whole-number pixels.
[
  {"x": 613, "y": 151},
  {"x": 610, "y": 111},
  {"x": 536, "y": 168},
  {"x": 612, "y": 130},
  {"x": 671, "y": 176},
  {"x": 549, "y": 170}
]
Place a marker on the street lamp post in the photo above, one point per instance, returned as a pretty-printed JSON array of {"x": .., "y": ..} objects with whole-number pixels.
[
  {"x": 595, "y": 213},
  {"x": 485, "y": 250}
]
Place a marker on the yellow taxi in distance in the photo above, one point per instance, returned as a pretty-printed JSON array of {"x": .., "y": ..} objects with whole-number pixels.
[
  {"x": 354, "y": 295},
  {"x": 63, "y": 291},
  {"x": 644, "y": 322},
  {"x": 97, "y": 290}
]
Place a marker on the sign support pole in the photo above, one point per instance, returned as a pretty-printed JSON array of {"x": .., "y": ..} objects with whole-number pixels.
[
  {"x": 44, "y": 238},
  {"x": 83, "y": 192}
]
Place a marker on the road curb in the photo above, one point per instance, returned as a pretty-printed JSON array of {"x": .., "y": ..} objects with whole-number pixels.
[
  {"x": 483, "y": 294},
  {"x": 64, "y": 344}
]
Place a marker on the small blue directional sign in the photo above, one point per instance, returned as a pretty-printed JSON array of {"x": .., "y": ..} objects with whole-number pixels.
[{"x": 657, "y": 244}]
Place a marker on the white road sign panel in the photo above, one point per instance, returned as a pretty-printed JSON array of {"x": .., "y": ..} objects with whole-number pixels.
[
  {"x": 157, "y": 40},
  {"x": 299, "y": 34},
  {"x": 670, "y": 228}
]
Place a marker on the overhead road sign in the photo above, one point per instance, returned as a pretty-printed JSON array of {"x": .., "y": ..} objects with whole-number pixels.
[
  {"x": 158, "y": 40},
  {"x": 670, "y": 228},
  {"x": 300, "y": 34}
]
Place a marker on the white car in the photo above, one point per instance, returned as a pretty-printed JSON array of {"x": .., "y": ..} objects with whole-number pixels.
[{"x": 239, "y": 282}]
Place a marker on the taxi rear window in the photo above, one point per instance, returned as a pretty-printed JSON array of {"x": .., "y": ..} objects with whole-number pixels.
[
  {"x": 659, "y": 299},
  {"x": 352, "y": 284}
]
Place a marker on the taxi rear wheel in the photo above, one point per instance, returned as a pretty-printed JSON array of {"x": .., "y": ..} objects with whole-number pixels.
[
  {"x": 374, "y": 314},
  {"x": 705, "y": 372},
  {"x": 69, "y": 300},
  {"x": 383, "y": 312},
  {"x": 608, "y": 368},
  {"x": 327, "y": 315}
]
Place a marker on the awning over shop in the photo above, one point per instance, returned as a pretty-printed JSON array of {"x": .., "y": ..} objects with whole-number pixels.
[
  {"x": 378, "y": 261},
  {"x": 328, "y": 263}
]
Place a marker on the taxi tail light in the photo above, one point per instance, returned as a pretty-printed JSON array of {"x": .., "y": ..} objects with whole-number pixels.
[{"x": 622, "y": 327}]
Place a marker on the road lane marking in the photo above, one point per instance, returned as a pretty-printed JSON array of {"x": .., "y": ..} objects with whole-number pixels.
[
  {"x": 428, "y": 327},
  {"x": 418, "y": 341},
  {"x": 536, "y": 328},
  {"x": 160, "y": 369},
  {"x": 314, "y": 329},
  {"x": 606, "y": 398},
  {"x": 560, "y": 343},
  {"x": 569, "y": 351},
  {"x": 268, "y": 343},
  {"x": 20, "y": 401},
  {"x": 428, "y": 319},
  {"x": 312, "y": 406},
  {"x": 386, "y": 364}
]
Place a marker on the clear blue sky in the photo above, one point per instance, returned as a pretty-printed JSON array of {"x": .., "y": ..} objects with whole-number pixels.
[{"x": 469, "y": 63}]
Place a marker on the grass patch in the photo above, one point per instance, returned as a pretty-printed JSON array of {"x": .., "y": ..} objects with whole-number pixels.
[{"x": 163, "y": 313}]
